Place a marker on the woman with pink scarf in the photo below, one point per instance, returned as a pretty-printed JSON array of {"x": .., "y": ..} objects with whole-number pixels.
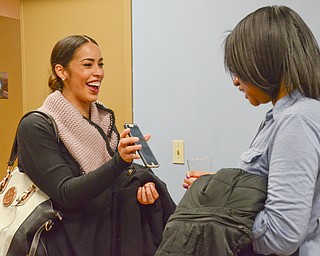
[{"x": 78, "y": 172}]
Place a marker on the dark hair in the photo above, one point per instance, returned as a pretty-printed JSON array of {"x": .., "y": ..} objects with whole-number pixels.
[
  {"x": 62, "y": 54},
  {"x": 273, "y": 45}
]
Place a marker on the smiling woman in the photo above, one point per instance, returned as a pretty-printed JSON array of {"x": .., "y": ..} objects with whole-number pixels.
[
  {"x": 80, "y": 172},
  {"x": 80, "y": 79}
]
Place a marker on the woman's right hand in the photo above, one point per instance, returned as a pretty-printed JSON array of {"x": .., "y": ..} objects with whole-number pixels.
[
  {"x": 192, "y": 176},
  {"x": 127, "y": 147}
]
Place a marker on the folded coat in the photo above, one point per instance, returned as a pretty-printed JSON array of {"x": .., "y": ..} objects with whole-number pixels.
[
  {"x": 215, "y": 216},
  {"x": 137, "y": 229}
]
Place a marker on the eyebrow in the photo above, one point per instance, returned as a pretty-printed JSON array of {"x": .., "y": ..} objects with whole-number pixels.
[{"x": 90, "y": 59}]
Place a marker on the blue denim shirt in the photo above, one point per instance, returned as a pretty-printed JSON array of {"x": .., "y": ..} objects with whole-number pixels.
[{"x": 287, "y": 150}]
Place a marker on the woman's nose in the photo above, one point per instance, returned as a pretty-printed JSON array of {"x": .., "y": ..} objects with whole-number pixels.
[{"x": 98, "y": 71}]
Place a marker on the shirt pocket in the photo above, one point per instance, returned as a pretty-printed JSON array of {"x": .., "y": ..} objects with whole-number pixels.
[{"x": 251, "y": 155}]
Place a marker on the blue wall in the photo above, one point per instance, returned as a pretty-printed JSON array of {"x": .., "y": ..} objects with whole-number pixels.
[{"x": 180, "y": 88}]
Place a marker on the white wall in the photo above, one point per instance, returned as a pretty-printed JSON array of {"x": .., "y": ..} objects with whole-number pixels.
[{"x": 180, "y": 88}]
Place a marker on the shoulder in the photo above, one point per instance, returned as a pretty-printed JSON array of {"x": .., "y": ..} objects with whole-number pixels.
[
  {"x": 299, "y": 125},
  {"x": 305, "y": 105},
  {"x": 30, "y": 119},
  {"x": 305, "y": 110},
  {"x": 35, "y": 124}
]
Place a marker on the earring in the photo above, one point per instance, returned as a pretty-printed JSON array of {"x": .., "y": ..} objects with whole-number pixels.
[{"x": 63, "y": 79}]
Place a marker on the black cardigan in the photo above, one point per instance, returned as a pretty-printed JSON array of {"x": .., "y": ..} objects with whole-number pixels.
[{"x": 84, "y": 200}]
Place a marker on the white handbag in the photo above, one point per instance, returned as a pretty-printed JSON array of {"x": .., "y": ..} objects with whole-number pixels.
[{"x": 25, "y": 211}]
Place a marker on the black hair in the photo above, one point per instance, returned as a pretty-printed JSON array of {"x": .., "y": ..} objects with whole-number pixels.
[{"x": 274, "y": 46}]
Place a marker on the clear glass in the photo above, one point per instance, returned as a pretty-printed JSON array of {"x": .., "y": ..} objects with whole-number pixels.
[{"x": 200, "y": 164}]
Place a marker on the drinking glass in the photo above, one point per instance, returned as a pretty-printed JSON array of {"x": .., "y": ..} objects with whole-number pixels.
[{"x": 200, "y": 164}]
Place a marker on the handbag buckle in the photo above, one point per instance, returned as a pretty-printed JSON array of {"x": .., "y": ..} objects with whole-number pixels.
[
  {"x": 25, "y": 195},
  {"x": 4, "y": 182},
  {"x": 48, "y": 225}
]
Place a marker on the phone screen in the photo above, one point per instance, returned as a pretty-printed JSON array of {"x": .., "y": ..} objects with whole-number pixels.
[{"x": 145, "y": 152}]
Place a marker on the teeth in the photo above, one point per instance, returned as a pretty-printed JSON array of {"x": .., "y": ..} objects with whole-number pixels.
[{"x": 97, "y": 84}]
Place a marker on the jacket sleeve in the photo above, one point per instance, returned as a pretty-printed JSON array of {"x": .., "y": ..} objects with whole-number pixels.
[{"x": 41, "y": 158}]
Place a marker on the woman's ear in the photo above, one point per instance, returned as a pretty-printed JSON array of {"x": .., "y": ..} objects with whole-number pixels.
[{"x": 60, "y": 71}]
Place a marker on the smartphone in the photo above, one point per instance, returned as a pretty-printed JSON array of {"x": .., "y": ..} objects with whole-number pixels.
[{"x": 145, "y": 152}]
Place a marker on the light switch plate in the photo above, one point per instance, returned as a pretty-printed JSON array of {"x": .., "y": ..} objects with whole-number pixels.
[{"x": 178, "y": 151}]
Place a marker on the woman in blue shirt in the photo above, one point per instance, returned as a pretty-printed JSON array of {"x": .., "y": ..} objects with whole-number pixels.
[{"x": 273, "y": 57}]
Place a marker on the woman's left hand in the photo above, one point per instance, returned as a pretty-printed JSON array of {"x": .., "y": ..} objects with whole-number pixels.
[{"x": 147, "y": 194}]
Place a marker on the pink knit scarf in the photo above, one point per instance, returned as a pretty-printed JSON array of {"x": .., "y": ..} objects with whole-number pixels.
[{"x": 82, "y": 139}]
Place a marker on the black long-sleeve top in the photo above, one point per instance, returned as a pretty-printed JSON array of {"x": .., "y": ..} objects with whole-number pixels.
[{"x": 84, "y": 200}]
